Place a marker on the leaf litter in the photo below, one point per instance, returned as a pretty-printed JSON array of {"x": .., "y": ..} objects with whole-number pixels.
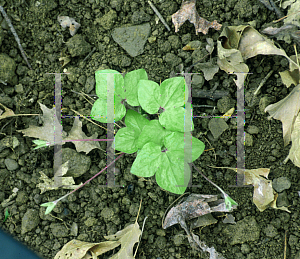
[
  {"x": 264, "y": 195},
  {"x": 188, "y": 11},
  {"x": 46, "y": 132},
  {"x": 197, "y": 205},
  {"x": 286, "y": 111},
  {"x": 127, "y": 237}
]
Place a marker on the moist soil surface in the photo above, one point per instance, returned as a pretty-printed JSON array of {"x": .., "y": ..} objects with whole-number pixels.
[{"x": 96, "y": 211}]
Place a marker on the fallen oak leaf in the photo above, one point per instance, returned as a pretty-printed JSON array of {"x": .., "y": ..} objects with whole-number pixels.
[
  {"x": 188, "y": 11},
  {"x": 286, "y": 110}
]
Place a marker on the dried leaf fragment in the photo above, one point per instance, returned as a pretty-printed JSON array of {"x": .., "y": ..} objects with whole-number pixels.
[
  {"x": 188, "y": 11},
  {"x": 66, "y": 21},
  {"x": 294, "y": 154},
  {"x": 127, "y": 237},
  {"x": 286, "y": 110}
]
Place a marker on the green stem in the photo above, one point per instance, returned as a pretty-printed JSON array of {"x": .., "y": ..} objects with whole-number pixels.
[{"x": 211, "y": 182}]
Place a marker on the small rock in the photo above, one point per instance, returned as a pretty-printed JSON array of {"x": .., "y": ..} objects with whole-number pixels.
[
  {"x": 107, "y": 213},
  {"x": 281, "y": 183},
  {"x": 90, "y": 222},
  {"x": 77, "y": 46},
  {"x": 178, "y": 239},
  {"x": 59, "y": 230},
  {"x": 30, "y": 221},
  {"x": 132, "y": 38},
  {"x": 217, "y": 126},
  {"x": 270, "y": 231},
  {"x": 74, "y": 229},
  {"x": 78, "y": 163},
  {"x": 8, "y": 68},
  {"x": 248, "y": 140},
  {"x": 11, "y": 164},
  {"x": 198, "y": 81},
  {"x": 9, "y": 142},
  {"x": 253, "y": 129}
]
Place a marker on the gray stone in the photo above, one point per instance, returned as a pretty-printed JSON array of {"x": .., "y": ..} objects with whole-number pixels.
[
  {"x": 281, "y": 183},
  {"x": 132, "y": 38},
  {"x": 11, "y": 164},
  {"x": 89, "y": 84},
  {"x": 197, "y": 81},
  {"x": 59, "y": 230},
  {"x": 139, "y": 17},
  {"x": 217, "y": 126},
  {"x": 225, "y": 103},
  {"x": 78, "y": 163},
  {"x": 30, "y": 221},
  {"x": 244, "y": 231}
]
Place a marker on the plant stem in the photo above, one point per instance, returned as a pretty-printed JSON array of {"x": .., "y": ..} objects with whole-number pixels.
[
  {"x": 211, "y": 182},
  {"x": 90, "y": 179}
]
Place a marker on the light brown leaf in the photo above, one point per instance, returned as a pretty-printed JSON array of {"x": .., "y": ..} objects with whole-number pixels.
[
  {"x": 188, "y": 11},
  {"x": 8, "y": 112},
  {"x": 46, "y": 132},
  {"x": 294, "y": 154},
  {"x": 128, "y": 237},
  {"x": 76, "y": 133},
  {"x": 286, "y": 110}
]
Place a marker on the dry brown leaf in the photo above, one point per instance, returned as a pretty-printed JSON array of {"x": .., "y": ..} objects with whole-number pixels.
[
  {"x": 294, "y": 154},
  {"x": 195, "y": 205},
  {"x": 76, "y": 133},
  {"x": 127, "y": 237},
  {"x": 286, "y": 110},
  {"x": 8, "y": 112},
  {"x": 66, "y": 182},
  {"x": 46, "y": 132},
  {"x": 264, "y": 195},
  {"x": 188, "y": 11}
]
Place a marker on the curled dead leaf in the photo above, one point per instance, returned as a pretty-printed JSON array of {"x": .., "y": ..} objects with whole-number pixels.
[{"x": 188, "y": 11}]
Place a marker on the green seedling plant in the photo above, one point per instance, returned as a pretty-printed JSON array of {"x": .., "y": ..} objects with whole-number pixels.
[
  {"x": 6, "y": 215},
  {"x": 159, "y": 143}
]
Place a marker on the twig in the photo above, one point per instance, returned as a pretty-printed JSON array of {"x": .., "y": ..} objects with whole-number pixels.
[
  {"x": 284, "y": 255},
  {"x": 262, "y": 82},
  {"x": 93, "y": 50},
  {"x": 285, "y": 17},
  {"x": 159, "y": 15},
  {"x": 15, "y": 35}
]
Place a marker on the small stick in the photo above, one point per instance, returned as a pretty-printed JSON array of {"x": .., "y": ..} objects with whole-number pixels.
[
  {"x": 93, "y": 50},
  {"x": 284, "y": 255},
  {"x": 263, "y": 82},
  {"x": 15, "y": 35},
  {"x": 284, "y": 17},
  {"x": 159, "y": 15}
]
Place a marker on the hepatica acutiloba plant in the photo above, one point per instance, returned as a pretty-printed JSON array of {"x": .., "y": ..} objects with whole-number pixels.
[{"x": 159, "y": 143}]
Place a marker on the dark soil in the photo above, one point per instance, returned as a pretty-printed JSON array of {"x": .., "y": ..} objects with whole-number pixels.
[{"x": 111, "y": 209}]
